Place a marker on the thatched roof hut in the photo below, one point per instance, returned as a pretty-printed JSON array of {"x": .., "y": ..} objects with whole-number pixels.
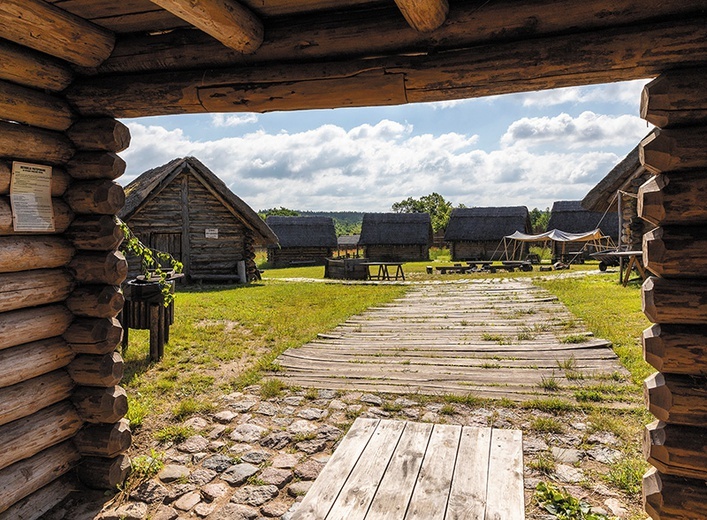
[
  {"x": 183, "y": 208},
  {"x": 476, "y": 233},
  {"x": 396, "y": 236},
  {"x": 570, "y": 216},
  {"x": 303, "y": 240}
]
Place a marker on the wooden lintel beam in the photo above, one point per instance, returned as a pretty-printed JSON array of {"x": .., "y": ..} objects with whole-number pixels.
[
  {"x": 228, "y": 21},
  {"x": 44, "y": 27},
  {"x": 424, "y": 15}
]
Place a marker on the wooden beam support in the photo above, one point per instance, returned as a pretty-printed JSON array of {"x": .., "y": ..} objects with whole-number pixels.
[
  {"x": 96, "y": 165},
  {"x": 33, "y": 69},
  {"x": 30, "y": 435},
  {"x": 676, "y": 251},
  {"x": 60, "y": 179},
  {"x": 22, "y": 326},
  {"x": 23, "y": 253},
  {"x": 108, "y": 268},
  {"x": 101, "y": 371},
  {"x": 95, "y": 233},
  {"x": 100, "y": 134},
  {"x": 34, "y": 107},
  {"x": 30, "y": 396},
  {"x": 614, "y": 54},
  {"x": 94, "y": 335},
  {"x": 32, "y": 288},
  {"x": 33, "y": 359},
  {"x": 676, "y": 149},
  {"x": 676, "y": 450},
  {"x": 673, "y": 98},
  {"x": 667, "y": 497},
  {"x": 674, "y": 198},
  {"x": 101, "y": 197},
  {"x": 27, "y": 476},
  {"x": 424, "y": 15},
  {"x": 677, "y": 399},
  {"x": 96, "y": 301},
  {"x": 675, "y": 301},
  {"x": 104, "y": 440},
  {"x": 103, "y": 473},
  {"x": 44, "y": 27},
  {"x": 228, "y": 21},
  {"x": 676, "y": 349},
  {"x": 62, "y": 217},
  {"x": 20, "y": 142},
  {"x": 100, "y": 405}
]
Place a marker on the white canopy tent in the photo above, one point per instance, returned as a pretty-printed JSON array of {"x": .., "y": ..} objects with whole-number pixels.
[{"x": 512, "y": 244}]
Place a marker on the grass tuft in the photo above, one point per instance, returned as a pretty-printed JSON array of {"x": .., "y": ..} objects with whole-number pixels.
[{"x": 271, "y": 388}]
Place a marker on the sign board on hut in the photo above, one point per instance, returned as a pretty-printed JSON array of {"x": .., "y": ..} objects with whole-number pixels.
[
  {"x": 31, "y": 197},
  {"x": 211, "y": 233}
]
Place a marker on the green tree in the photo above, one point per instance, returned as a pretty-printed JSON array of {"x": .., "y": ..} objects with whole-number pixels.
[
  {"x": 539, "y": 220},
  {"x": 279, "y": 212},
  {"x": 438, "y": 208}
]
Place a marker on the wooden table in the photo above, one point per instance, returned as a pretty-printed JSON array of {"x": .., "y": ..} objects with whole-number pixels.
[
  {"x": 627, "y": 261},
  {"x": 383, "y": 272},
  {"x": 397, "y": 470}
]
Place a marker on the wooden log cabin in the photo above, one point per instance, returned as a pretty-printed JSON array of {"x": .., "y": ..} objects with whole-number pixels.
[
  {"x": 570, "y": 216},
  {"x": 184, "y": 209},
  {"x": 477, "y": 233},
  {"x": 69, "y": 68},
  {"x": 301, "y": 240},
  {"x": 396, "y": 237}
]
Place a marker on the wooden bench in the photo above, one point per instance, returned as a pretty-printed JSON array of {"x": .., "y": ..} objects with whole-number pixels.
[
  {"x": 392, "y": 470},
  {"x": 458, "y": 269}
]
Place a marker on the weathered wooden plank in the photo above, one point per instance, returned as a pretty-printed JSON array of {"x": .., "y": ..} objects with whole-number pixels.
[
  {"x": 325, "y": 489},
  {"x": 470, "y": 483},
  {"x": 505, "y": 492}
]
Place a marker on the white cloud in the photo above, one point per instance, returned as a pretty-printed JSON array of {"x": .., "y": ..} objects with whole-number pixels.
[
  {"x": 627, "y": 92},
  {"x": 452, "y": 103},
  {"x": 225, "y": 120}
]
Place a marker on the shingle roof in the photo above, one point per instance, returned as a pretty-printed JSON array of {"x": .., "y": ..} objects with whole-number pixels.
[
  {"x": 570, "y": 216},
  {"x": 153, "y": 181},
  {"x": 491, "y": 223},
  {"x": 396, "y": 229},
  {"x": 304, "y": 231}
]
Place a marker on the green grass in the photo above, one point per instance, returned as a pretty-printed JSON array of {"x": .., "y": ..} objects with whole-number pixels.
[
  {"x": 627, "y": 474},
  {"x": 547, "y": 425},
  {"x": 174, "y": 433},
  {"x": 272, "y": 388}
]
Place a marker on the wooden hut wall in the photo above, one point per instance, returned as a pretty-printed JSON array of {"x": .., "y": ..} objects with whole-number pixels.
[
  {"x": 288, "y": 256},
  {"x": 477, "y": 250},
  {"x": 397, "y": 253},
  {"x": 674, "y": 298},
  {"x": 59, "y": 296}
]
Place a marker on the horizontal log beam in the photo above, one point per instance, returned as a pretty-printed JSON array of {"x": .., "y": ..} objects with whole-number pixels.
[
  {"x": 100, "y": 405},
  {"x": 32, "y": 288},
  {"x": 676, "y": 450},
  {"x": 20, "y": 142},
  {"x": 95, "y": 233},
  {"x": 59, "y": 184},
  {"x": 424, "y": 15},
  {"x": 27, "y": 476},
  {"x": 43, "y": 27},
  {"x": 228, "y": 21},
  {"x": 100, "y": 134},
  {"x": 677, "y": 399},
  {"x": 676, "y": 349},
  {"x": 101, "y": 197},
  {"x": 23, "y": 253},
  {"x": 104, "y": 440},
  {"x": 667, "y": 497},
  {"x": 96, "y": 165},
  {"x": 674, "y": 198},
  {"x": 33, "y": 359},
  {"x": 675, "y": 149},
  {"x": 673, "y": 98},
  {"x": 96, "y": 301},
  {"x": 676, "y": 251},
  {"x": 94, "y": 335},
  {"x": 34, "y": 107},
  {"x": 33, "y": 69},
  {"x": 102, "y": 371},
  {"x": 675, "y": 301},
  {"x": 62, "y": 217},
  {"x": 610, "y": 55},
  {"x": 22, "y": 326},
  {"x": 108, "y": 268},
  {"x": 30, "y": 435},
  {"x": 30, "y": 396},
  {"x": 103, "y": 473},
  {"x": 38, "y": 503}
]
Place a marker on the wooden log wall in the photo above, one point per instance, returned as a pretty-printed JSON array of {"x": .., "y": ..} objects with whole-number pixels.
[
  {"x": 397, "y": 253},
  {"x": 675, "y": 298},
  {"x": 59, "y": 292},
  {"x": 289, "y": 256}
]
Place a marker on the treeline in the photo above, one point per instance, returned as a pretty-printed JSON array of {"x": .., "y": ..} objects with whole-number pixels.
[{"x": 345, "y": 222}]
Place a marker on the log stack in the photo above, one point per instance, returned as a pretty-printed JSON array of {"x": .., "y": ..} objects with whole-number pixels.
[
  {"x": 59, "y": 292},
  {"x": 674, "y": 299}
]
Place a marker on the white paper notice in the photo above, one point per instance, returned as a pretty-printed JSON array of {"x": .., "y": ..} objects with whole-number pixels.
[
  {"x": 31, "y": 197},
  {"x": 211, "y": 233}
]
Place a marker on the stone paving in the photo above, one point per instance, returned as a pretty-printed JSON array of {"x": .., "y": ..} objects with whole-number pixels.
[{"x": 255, "y": 458}]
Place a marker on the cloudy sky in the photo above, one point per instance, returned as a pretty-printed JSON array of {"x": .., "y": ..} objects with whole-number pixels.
[{"x": 521, "y": 149}]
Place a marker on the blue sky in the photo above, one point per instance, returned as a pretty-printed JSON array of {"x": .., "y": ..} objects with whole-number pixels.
[{"x": 520, "y": 149}]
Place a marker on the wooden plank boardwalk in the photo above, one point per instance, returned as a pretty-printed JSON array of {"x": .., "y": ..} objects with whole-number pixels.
[
  {"x": 499, "y": 339},
  {"x": 398, "y": 470}
]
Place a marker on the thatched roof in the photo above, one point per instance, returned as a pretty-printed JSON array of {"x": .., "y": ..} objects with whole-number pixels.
[
  {"x": 304, "y": 231},
  {"x": 348, "y": 240},
  {"x": 144, "y": 188},
  {"x": 570, "y": 216},
  {"x": 602, "y": 196},
  {"x": 396, "y": 229},
  {"x": 478, "y": 224}
]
